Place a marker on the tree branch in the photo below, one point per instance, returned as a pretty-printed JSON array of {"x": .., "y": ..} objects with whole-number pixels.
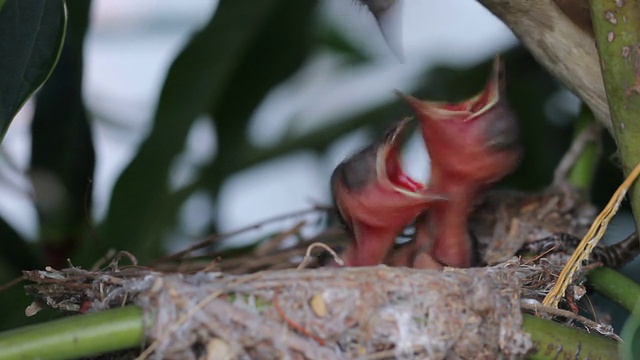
[{"x": 565, "y": 49}]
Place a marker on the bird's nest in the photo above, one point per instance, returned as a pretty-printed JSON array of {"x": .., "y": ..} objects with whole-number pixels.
[
  {"x": 273, "y": 303},
  {"x": 327, "y": 313}
]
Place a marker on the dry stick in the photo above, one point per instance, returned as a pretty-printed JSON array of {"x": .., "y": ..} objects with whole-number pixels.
[
  {"x": 11, "y": 283},
  {"x": 385, "y": 354},
  {"x": 600, "y": 328},
  {"x": 540, "y": 256},
  {"x": 578, "y": 146},
  {"x": 243, "y": 266},
  {"x": 589, "y": 241},
  {"x": 267, "y": 262},
  {"x": 266, "y": 248},
  {"x": 307, "y": 257},
  {"x": 271, "y": 244},
  {"x": 593, "y": 309},
  {"x": 210, "y": 240}
]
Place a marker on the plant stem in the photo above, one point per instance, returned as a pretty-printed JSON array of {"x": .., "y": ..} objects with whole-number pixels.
[
  {"x": 617, "y": 33},
  {"x": 615, "y": 286},
  {"x": 556, "y": 341},
  {"x": 583, "y": 170},
  {"x": 75, "y": 336},
  {"x": 123, "y": 328}
]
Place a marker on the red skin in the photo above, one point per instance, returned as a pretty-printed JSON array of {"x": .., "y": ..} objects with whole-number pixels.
[
  {"x": 376, "y": 202},
  {"x": 471, "y": 144}
]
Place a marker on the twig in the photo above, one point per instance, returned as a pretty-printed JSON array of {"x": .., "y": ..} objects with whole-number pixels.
[
  {"x": 212, "y": 239},
  {"x": 539, "y": 256},
  {"x": 600, "y": 328},
  {"x": 563, "y": 49},
  {"x": 268, "y": 246},
  {"x": 243, "y": 266},
  {"x": 578, "y": 146},
  {"x": 11, "y": 283},
  {"x": 385, "y": 354},
  {"x": 250, "y": 263},
  {"x": 307, "y": 257},
  {"x": 589, "y": 241}
]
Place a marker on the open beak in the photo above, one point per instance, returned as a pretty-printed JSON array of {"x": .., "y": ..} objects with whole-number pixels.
[
  {"x": 471, "y": 144},
  {"x": 477, "y": 138},
  {"x": 376, "y": 199},
  {"x": 388, "y": 162}
]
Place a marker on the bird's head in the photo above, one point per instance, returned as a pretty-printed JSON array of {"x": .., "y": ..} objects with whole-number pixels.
[{"x": 475, "y": 139}]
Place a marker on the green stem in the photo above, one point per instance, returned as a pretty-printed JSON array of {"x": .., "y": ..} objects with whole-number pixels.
[
  {"x": 582, "y": 173},
  {"x": 617, "y": 33},
  {"x": 615, "y": 286},
  {"x": 552, "y": 340},
  {"x": 123, "y": 328},
  {"x": 75, "y": 336}
]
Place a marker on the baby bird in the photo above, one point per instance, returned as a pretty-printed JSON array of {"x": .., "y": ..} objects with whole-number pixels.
[
  {"x": 375, "y": 199},
  {"x": 471, "y": 144}
]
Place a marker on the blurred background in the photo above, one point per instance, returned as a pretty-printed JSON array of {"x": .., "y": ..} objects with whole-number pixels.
[
  {"x": 130, "y": 46},
  {"x": 165, "y": 122}
]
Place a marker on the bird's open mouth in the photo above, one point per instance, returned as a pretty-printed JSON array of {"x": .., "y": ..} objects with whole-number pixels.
[
  {"x": 468, "y": 109},
  {"x": 389, "y": 166}
]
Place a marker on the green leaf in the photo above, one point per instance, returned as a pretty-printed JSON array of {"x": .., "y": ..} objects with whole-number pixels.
[
  {"x": 141, "y": 207},
  {"x": 16, "y": 252},
  {"x": 582, "y": 172},
  {"x": 630, "y": 347},
  {"x": 62, "y": 157},
  {"x": 281, "y": 47},
  {"x": 31, "y": 36}
]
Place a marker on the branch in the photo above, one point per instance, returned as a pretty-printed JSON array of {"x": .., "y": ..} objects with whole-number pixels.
[
  {"x": 556, "y": 341},
  {"x": 615, "y": 286},
  {"x": 75, "y": 336},
  {"x": 617, "y": 30},
  {"x": 562, "y": 47}
]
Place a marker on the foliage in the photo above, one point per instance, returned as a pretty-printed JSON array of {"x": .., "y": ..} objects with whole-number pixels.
[
  {"x": 31, "y": 35},
  {"x": 216, "y": 74},
  {"x": 619, "y": 48}
]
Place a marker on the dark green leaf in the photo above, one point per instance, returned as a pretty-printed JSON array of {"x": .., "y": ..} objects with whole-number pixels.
[
  {"x": 31, "y": 36},
  {"x": 16, "y": 253},
  {"x": 141, "y": 208},
  {"x": 281, "y": 48},
  {"x": 62, "y": 158}
]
